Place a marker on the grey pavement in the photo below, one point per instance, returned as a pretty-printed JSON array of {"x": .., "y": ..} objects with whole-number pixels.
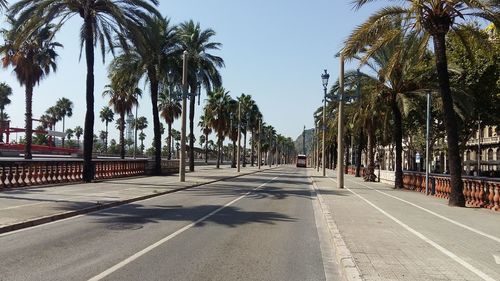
[
  {"x": 255, "y": 227},
  {"x": 404, "y": 235},
  {"x": 24, "y": 207}
]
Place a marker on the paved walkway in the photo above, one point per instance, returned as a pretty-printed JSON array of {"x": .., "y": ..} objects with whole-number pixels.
[
  {"x": 403, "y": 235},
  {"x": 24, "y": 207}
]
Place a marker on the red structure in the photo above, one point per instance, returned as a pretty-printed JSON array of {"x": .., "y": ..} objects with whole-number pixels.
[{"x": 40, "y": 149}]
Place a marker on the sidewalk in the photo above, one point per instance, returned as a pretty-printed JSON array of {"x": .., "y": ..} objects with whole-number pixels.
[
  {"x": 385, "y": 234},
  {"x": 25, "y": 207}
]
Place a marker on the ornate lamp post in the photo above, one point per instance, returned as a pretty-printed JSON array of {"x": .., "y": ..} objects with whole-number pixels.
[
  {"x": 182, "y": 158},
  {"x": 324, "y": 78},
  {"x": 340, "y": 134}
]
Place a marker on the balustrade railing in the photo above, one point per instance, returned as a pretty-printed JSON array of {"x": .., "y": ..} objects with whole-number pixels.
[
  {"x": 35, "y": 172},
  {"x": 479, "y": 192}
]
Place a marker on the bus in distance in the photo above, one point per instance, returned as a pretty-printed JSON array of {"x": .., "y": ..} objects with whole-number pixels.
[{"x": 301, "y": 160}]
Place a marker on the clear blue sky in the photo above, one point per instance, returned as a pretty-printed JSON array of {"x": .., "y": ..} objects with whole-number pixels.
[{"x": 274, "y": 50}]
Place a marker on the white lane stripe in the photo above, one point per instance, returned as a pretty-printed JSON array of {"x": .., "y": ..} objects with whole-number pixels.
[
  {"x": 38, "y": 226},
  {"x": 167, "y": 238},
  {"x": 435, "y": 214},
  {"x": 24, "y": 205},
  {"x": 443, "y": 250}
]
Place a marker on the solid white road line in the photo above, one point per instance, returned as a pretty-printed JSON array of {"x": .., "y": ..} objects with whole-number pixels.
[
  {"x": 24, "y": 205},
  {"x": 171, "y": 236},
  {"x": 433, "y": 213},
  {"x": 443, "y": 250}
]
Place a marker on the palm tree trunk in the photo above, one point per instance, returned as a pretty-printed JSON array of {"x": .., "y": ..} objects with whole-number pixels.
[
  {"x": 1, "y": 124},
  {"x": 398, "y": 141},
  {"x": 64, "y": 119},
  {"x": 244, "y": 149},
  {"x": 29, "y": 122},
  {"x": 233, "y": 161},
  {"x": 169, "y": 141},
  {"x": 219, "y": 142},
  {"x": 156, "y": 120},
  {"x": 206, "y": 148},
  {"x": 191, "y": 128},
  {"x": 88, "y": 133},
  {"x": 252, "y": 149},
  {"x": 106, "y": 142},
  {"x": 359, "y": 151},
  {"x": 122, "y": 135},
  {"x": 455, "y": 162}
]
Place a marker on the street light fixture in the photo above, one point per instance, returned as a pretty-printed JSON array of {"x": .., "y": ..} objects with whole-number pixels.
[{"x": 324, "y": 77}]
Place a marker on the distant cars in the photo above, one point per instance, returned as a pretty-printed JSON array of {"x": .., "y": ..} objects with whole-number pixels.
[{"x": 301, "y": 161}]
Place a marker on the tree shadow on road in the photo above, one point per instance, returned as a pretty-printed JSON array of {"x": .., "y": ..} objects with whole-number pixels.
[{"x": 229, "y": 216}]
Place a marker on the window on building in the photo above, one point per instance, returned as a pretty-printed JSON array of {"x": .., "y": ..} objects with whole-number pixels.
[
  {"x": 490, "y": 154},
  {"x": 498, "y": 153},
  {"x": 467, "y": 155},
  {"x": 490, "y": 132}
]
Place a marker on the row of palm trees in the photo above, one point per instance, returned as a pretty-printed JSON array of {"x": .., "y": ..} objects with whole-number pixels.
[
  {"x": 392, "y": 45},
  {"x": 228, "y": 117},
  {"x": 147, "y": 43}
]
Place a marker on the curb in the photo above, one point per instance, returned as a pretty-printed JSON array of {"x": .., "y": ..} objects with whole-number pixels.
[
  {"x": 348, "y": 269},
  {"x": 99, "y": 206}
]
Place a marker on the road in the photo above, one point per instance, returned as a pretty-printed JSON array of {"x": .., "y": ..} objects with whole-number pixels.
[{"x": 256, "y": 227}]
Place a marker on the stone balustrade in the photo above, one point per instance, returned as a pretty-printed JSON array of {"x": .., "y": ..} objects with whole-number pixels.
[
  {"x": 37, "y": 172},
  {"x": 479, "y": 192}
]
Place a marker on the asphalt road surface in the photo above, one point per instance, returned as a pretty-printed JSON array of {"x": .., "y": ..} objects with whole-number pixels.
[{"x": 256, "y": 227}]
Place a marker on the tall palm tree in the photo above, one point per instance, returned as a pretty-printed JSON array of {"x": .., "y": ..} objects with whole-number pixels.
[
  {"x": 197, "y": 43},
  {"x": 106, "y": 115},
  {"x": 433, "y": 18},
  {"x": 78, "y": 134},
  {"x": 217, "y": 114},
  {"x": 206, "y": 130},
  {"x": 170, "y": 109},
  {"x": 122, "y": 98},
  {"x": 69, "y": 133},
  {"x": 254, "y": 116},
  {"x": 5, "y": 92},
  {"x": 149, "y": 53},
  {"x": 65, "y": 108},
  {"x": 32, "y": 59},
  {"x": 101, "y": 20}
]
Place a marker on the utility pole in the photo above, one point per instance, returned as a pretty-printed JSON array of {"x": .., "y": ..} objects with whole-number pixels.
[
  {"x": 239, "y": 137},
  {"x": 182, "y": 157},
  {"x": 340, "y": 141}
]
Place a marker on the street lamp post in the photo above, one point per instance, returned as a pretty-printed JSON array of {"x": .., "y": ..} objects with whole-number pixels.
[
  {"x": 317, "y": 148},
  {"x": 182, "y": 158},
  {"x": 324, "y": 78},
  {"x": 259, "y": 155},
  {"x": 427, "y": 135},
  {"x": 340, "y": 133},
  {"x": 239, "y": 137}
]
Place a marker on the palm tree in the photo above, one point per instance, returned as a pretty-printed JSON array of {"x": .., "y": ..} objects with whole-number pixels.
[
  {"x": 433, "y": 18},
  {"x": 149, "y": 53},
  {"x": 205, "y": 128},
  {"x": 122, "y": 99},
  {"x": 32, "y": 59},
  {"x": 101, "y": 20},
  {"x": 170, "y": 109},
  {"x": 254, "y": 116},
  {"x": 106, "y": 115},
  {"x": 5, "y": 92},
  {"x": 78, "y": 134},
  {"x": 69, "y": 133},
  {"x": 103, "y": 135},
  {"x": 217, "y": 114},
  {"x": 197, "y": 43},
  {"x": 142, "y": 137},
  {"x": 65, "y": 108}
]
